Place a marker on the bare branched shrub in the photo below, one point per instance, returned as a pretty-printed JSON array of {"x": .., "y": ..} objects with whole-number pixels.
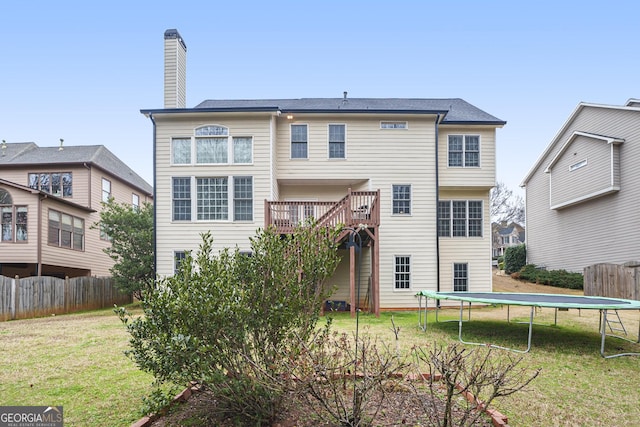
[
  {"x": 470, "y": 379},
  {"x": 350, "y": 388}
]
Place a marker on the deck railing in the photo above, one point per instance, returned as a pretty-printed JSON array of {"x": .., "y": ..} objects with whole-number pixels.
[{"x": 354, "y": 209}]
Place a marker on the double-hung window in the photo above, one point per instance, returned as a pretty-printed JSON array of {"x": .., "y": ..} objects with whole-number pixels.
[
  {"x": 106, "y": 190},
  {"x": 464, "y": 150},
  {"x": 337, "y": 141},
  {"x": 243, "y": 198},
  {"x": 460, "y": 218},
  {"x": 299, "y": 138},
  {"x": 401, "y": 203},
  {"x": 178, "y": 259},
  {"x": 181, "y": 198},
  {"x": 402, "y": 277},
  {"x": 460, "y": 277}
]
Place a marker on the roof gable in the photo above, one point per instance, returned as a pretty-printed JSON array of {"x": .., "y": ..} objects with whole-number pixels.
[
  {"x": 24, "y": 154},
  {"x": 573, "y": 137}
]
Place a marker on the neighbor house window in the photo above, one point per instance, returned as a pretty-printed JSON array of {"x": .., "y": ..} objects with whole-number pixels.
[
  {"x": 135, "y": 202},
  {"x": 178, "y": 259},
  {"x": 242, "y": 149},
  {"x": 401, "y": 199},
  {"x": 181, "y": 199},
  {"x": 460, "y": 218},
  {"x": 106, "y": 190},
  {"x": 243, "y": 198},
  {"x": 337, "y": 141},
  {"x": 13, "y": 219},
  {"x": 393, "y": 125},
  {"x": 460, "y": 277},
  {"x": 464, "y": 150},
  {"x": 578, "y": 165},
  {"x": 298, "y": 141},
  {"x": 402, "y": 279},
  {"x": 181, "y": 151},
  {"x": 212, "y": 198},
  {"x": 66, "y": 231},
  {"x": 57, "y": 183}
]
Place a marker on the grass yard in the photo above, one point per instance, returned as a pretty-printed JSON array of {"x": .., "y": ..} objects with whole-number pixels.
[{"x": 76, "y": 361}]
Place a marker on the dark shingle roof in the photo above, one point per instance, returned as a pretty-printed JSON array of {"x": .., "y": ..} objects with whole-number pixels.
[
  {"x": 456, "y": 110},
  {"x": 28, "y": 153}
]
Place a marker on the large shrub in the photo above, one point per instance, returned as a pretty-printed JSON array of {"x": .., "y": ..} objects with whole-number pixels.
[
  {"x": 515, "y": 257},
  {"x": 232, "y": 321}
]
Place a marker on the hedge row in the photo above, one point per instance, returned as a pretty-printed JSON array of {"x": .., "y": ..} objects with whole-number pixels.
[{"x": 559, "y": 278}]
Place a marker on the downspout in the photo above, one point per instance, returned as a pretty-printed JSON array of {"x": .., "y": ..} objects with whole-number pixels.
[
  {"x": 437, "y": 202},
  {"x": 155, "y": 225},
  {"x": 39, "y": 238}
]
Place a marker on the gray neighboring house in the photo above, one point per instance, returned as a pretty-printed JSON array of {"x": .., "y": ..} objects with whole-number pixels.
[
  {"x": 583, "y": 193},
  {"x": 506, "y": 235}
]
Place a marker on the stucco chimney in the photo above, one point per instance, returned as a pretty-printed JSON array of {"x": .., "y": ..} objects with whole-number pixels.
[{"x": 175, "y": 70}]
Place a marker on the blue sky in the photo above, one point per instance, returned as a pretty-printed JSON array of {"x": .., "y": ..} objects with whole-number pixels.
[{"x": 82, "y": 70}]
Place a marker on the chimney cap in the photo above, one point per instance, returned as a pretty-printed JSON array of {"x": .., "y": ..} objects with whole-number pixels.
[{"x": 174, "y": 34}]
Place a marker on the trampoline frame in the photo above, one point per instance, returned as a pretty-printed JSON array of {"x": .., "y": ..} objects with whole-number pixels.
[{"x": 493, "y": 298}]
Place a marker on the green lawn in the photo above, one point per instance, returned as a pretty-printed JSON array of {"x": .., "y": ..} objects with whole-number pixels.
[{"x": 77, "y": 361}]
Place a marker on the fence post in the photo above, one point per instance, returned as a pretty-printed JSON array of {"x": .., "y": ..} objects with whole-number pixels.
[
  {"x": 16, "y": 307},
  {"x": 66, "y": 294}
]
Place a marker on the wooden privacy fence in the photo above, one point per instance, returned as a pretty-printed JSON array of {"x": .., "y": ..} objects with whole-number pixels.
[
  {"x": 23, "y": 298},
  {"x": 613, "y": 280}
]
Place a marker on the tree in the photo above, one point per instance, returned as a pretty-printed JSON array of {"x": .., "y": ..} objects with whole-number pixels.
[
  {"x": 130, "y": 231},
  {"x": 234, "y": 321},
  {"x": 505, "y": 206}
]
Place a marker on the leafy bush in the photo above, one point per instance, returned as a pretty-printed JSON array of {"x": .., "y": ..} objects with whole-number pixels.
[
  {"x": 559, "y": 278},
  {"x": 515, "y": 257},
  {"x": 233, "y": 321}
]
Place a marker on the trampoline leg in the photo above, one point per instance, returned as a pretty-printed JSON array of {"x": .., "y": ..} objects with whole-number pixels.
[{"x": 603, "y": 331}]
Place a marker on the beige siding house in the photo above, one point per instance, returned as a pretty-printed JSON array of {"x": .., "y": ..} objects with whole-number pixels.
[
  {"x": 582, "y": 194},
  {"x": 409, "y": 177},
  {"x": 49, "y": 199}
]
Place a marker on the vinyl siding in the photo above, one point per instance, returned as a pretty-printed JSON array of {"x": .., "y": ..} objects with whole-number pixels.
[
  {"x": 79, "y": 186},
  {"x": 597, "y": 175},
  {"x": 605, "y": 229},
  {"x": 180, "y": 236},
  {"x": 482, "y": 176},
  {"x": 474, "y": 251}
]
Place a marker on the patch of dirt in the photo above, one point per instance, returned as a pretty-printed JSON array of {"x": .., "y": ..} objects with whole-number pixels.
[{"x": 399, "y": 407}]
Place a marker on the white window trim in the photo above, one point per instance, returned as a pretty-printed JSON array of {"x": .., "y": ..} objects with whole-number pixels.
[
  {"x": 466, "y": 236},
  {"x": 230, "y": 199},
  {"x": 400, "y": 122},
  {"x": 453, "y": 275},
  {"x": 578, "y": 165},
  {"x": 464, "y": 135},
  {"x": 291, "y": 141},
  {"x": 393, "y": 277},
  {"x": 230, "y": 147},
  {"x": 329, "y": 142},
  {"x": 410, "y": 201}
]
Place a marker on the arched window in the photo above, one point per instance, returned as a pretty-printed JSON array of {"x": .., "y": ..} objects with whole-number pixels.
[{"x": 13, "y": 219}]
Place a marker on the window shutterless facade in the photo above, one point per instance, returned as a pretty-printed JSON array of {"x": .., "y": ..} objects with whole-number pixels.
[
  {"x": 65, "y": 231},
  {"x": 401, "y": 199},
  {"x": 460, "y": 218},
  {"x": 181, "y": 198},
  {"x": 402, "y": 274},
  {"x": 337, "y": 141},
  {"x": 178, "y": 258},
  {"x": 211, "y": 144},
  {"x": 13, "y": 219},
  {"x": 106, "y": 190},
  {"x": 57, "y": 183},
  {"x": 135, "y": 201},
  {"x": 464, "y": 150},
  {"x": 393, "y": 125},
  {"x": 460, "y": 277},
  {"x": 212, "y": 198},
  {"x": 299, "y": 138},
  {"x": 242, "y": 198}
]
